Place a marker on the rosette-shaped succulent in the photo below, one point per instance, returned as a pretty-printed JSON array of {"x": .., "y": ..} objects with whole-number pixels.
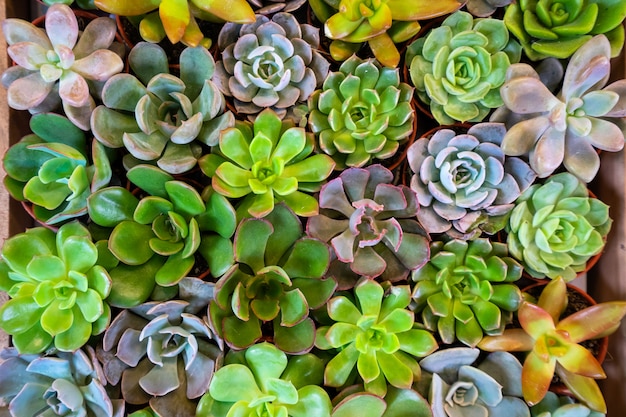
[
  {"x": 263, "y": 382},
  {"x": 63, "y": 384},
  {"x": 265, "y": 163},
  {"x": 162, "y": 354},
  {"x": 268, "y": 7},
  {"x": 362, "y": 112},
  {"x": 53, "y": 170},
  {"x": 467, "y": 289},
  {"x": 484, "y": 8},
  {"x": 56, "y": 289},
  {"x": 159, "y": 117},
  {"x": 370, "y": 224},
  {"x": 553, "y": 405},
  {"x": 565, "y": 129},
  {"x": 270, "y": 63},
  {"x": 458, "y": 67},
  {"x": 59, "y": 65},
  {"x": 375, "y": 333},
  {"x": 277, "y": 277},
  {"x": 460, "y": 387},
  {"x": 557, "y": 28},
  {"x": 556, "y": 227},
  {"x": 464, "y": 183}
]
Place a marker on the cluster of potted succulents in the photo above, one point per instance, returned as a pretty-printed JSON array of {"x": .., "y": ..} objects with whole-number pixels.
[{"x": 322, "y": 208}]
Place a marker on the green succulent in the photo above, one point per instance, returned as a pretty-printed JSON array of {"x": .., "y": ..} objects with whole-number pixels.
[
  {"x": 83, "y": 4},
  {"x": 362, "y": 112},
  {"x": 377, "y": 334},
  {"x": 262, "y": 381},
  {"x": 553, "y": 405},
  {"x": 557, "y": 28},
  {"x": 265, "y": 163},
  {"x": 467, "y": 289},
  {"x": 556, "y": 227},
  {"x": 158, "y": 117},
  {"x": 277, "y": 277},
  {"x": 56, "y": 288},
  {"x": 459, "y": 66},
  {"x": 52, "y": 169}
]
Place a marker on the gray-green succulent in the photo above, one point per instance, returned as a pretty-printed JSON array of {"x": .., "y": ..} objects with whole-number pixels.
[{"x": 554, "y": 405}]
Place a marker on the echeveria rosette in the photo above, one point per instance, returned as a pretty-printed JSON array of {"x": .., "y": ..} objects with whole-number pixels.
[
  {"x": 556, "y": 227},
  {"x": 361, "y": 112},
  {"x": 375, "y": 332},
  {"x": 269, "y": 7},
  {"x": 380, "y": 23},
  {"x": 485, "y": 8},
  {"x": 267, "y": 162},
  {"x": 370, "y": 224},
  {"x": 52, "y": 169},
  {"x": 553, "y": 405},
  {"x": 278, "y": 275},
  {"x": 458, "y": 384},
  {"x": 272, "y": 63},
  {"x": 160, "y": 353},
  {"x": 262, "y": 381},
  {"x": 464, "y": 183},
  {"x": 557, "y": 28},
  {"x": 158, "y": 117},
  {"x": 60, "y": 65},
  {"x": 58, "y": 384},
  {"x": 56, "y": 288},
  {"x": 459, "y": 66},
  {"x": 565, "y": 128},
  {"x": 467, "y": 289},
  {"x": 553, "y": 344}
]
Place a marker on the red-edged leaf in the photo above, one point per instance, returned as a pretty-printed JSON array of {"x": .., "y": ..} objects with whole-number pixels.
[
  {"x": 512, "y": 340},
  {"x": 536, "y": 378},
  {"x": 584, "y": 388},
  {"x": 593, "y": 321},
  {"x": 553, "y": 298},
  {"x": 580, "y": 361},
  {"x": 535, "y": 320}
]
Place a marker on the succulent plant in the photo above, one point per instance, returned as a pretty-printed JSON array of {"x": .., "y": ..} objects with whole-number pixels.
[
  {"x": 362, "y": 112},
  {"x": 376, "y": 332},
  {"x": 177, "y": 19},
  {"x": 59, "y": 65},
  {"x": 83, "y": 4},
  {"x": 268, "y": 7},
  {"x": 557, "y": 28},
  {"x": 270, "y": 63},
  {"x": 159, "y": 117},
  {"x": 553, "y": 344},
  {"x": 556, "y": 227},
  {"x": 459, "y": 384},
  {"x": 485, "y": 8},
  {"x": 277, "y": 277},
  {"x": 398, "y": 402},
  {"x": 381, "y": 24},
  {"x": 370, "y": 225},
  {"x": 467, "y": 289},
  {"x": 553, "y": 405},
  {"x": 264, "y": 382},
  {"x": 459, "y": 66},
  {"x": 52, "y": 170},
  {"x": 56, "y": 288},
  {"x": 61, "y": 384},
  {"x": 162, "y": 354},
  {"x": 464, "y": 183},
  {"x": 265, "y": 163},
  {"x": 564, "y": 129}
]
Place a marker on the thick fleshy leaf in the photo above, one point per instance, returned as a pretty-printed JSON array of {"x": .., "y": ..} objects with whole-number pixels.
[{"x": 593, "y": 321}]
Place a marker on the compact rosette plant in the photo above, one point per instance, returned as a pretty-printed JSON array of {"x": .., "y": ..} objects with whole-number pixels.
[
  {"x": 375, "y": 332},
  {"x": 553, "y": 344},
  {"x": 267, "y": 162},
  {"x": 371, "y": 226},
  {"x": 362, "y": 112},
  {"x": 459, "y": 384},
  {"x": 269, "y": 7},
  {"x": 52, "y": 170},
  {"x": 550, "y": 129},
  {"x": 464, "y": 183},
  {"x": 553, "y": 405},
  {"x": 270, "y": 63},
  {"x": 278, "y": 276},
  {"x": 56, "y": 287},
  {"x": 60, "y": 384},
  {"x": 459, "y": 66},
  {"x": 557, "y": 28},
  {"x": 485, "y": 8},
  {"x": 160, "y": 353},
  {"x": 61, "y": 65},
  {"x": 158, "y": 117},
  {"x": 467, "y": 289},
  {"x": 556, "y": 227}
]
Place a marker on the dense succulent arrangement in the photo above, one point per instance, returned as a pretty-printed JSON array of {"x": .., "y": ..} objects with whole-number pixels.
[{"x": 271, "y": 210}]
